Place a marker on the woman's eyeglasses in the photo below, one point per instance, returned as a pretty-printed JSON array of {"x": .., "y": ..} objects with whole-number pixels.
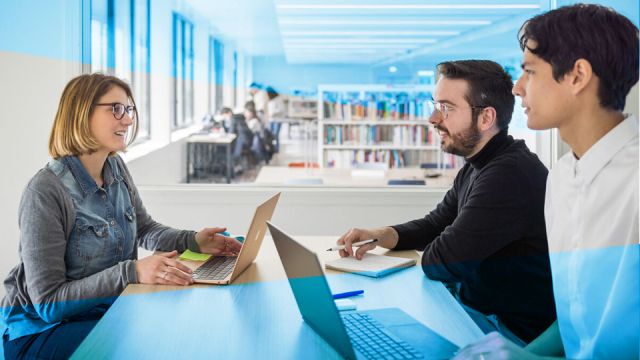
[{"x": 119, "y": 110}]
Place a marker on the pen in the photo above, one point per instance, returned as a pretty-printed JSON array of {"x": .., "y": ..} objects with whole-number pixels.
[
  {"x": 359, "y": 243},
  {"x": 347, "y": 294}
]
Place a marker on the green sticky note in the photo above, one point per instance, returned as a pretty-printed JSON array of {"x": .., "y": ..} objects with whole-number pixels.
[{"x": 195, "y": 256}]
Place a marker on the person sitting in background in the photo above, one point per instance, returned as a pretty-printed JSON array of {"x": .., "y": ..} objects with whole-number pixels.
[
  {"x": 276, "y": 110},
  {"x": 257, "y": 128},
  {"x": 251, "y": 105},
  {"x": 208, "y": 123},
  {"x": 227, "y": 119},
  {"x": 253, "y": 121},
  {"x": 81, "y": 222},
  {"x": 236, "y": 124}
]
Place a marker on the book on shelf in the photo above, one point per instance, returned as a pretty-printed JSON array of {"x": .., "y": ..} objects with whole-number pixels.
[
  {"x": 302, "y": 107},
  {"x": 345, "y": 159},
  {"x": 393, "y": 158},
  {"x": 354, "y": 110},
  {"x": 374, "y": 123},
  {"x": 398, "y": 135}
]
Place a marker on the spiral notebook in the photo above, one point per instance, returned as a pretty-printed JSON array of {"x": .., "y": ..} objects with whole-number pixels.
[{"x": 371, "y": 265}]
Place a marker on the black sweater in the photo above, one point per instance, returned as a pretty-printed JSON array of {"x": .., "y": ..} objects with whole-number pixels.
[{"x": 488, "y": 234}]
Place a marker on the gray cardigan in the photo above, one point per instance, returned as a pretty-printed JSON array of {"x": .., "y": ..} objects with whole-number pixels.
[{"x": 37, "y": 289}]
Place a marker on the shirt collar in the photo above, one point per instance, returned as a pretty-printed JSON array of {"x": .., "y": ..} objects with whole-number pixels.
[
  {"x": 488, "y": 152},
  {"x": 600, "y": 153},
  {"x": 110, "y": 174}
]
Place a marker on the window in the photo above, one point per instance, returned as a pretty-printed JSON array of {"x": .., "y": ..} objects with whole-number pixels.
[
  {"x": 235, "y": 78},
  {"x": 120, "y": 39},
  {"x": 215, "y": 75},
  {"x": 216, "y": 67},
  {"x": 182, "y": 71},
  {"x": 141, "y": 64},
  {"x": 101, "y": 30},
  {"x": 120, "y": 47}
]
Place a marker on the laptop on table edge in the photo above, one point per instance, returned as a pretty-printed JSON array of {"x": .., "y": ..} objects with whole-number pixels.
[
  {"x": 315, "y": 302},
  {"x": 250, "y": 246}
]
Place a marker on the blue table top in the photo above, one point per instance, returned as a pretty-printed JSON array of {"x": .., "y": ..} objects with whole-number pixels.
[{"x": 252, "y": 320}]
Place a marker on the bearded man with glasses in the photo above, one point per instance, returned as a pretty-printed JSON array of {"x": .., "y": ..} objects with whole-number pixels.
[{"x": 486, "y": 239}]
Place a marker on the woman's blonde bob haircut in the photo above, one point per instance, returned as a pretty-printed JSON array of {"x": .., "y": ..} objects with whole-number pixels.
[{"x": 71, "y": 133}]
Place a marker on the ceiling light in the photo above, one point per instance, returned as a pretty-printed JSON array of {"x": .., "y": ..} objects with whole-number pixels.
[
  {"x": 406, "y": 6},
  {"x": 423, "y": 73},
  {"x": 348, "y": 46},
  {"x": 338, "y": 51},
  {"x": 380, "y": 22},
  {"x": 290, "y": 41},
  {"x": 369, "y": 33},
  {"x": 393, "y": 69}
]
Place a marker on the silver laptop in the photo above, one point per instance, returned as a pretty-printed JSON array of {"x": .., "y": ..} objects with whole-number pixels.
[
  {"x": 225, "y": 269},
  {"x": 388, "y": 333}
]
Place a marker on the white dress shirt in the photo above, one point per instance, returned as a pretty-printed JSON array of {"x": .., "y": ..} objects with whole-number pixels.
[
  {"x": 276, "y": 108},
  {"x": 591, "y": 213}
]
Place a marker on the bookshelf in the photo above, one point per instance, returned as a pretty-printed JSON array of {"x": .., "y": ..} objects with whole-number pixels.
[
  {"x": 383, "y": 124},
  {"x": 300, "y": 107}
]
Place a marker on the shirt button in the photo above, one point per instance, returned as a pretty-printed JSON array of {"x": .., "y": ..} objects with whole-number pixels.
[{"x": 113, "y": 223}]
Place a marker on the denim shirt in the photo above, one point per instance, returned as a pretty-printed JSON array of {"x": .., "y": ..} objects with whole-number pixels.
[
  {"x": 103, "y": 233},
  {"x": 78, "y": 244}
]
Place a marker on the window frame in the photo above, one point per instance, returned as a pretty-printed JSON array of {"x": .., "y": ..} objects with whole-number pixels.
[
  {"x": 107, "y": 45},
  {"x": 182, "y": 72},
  {"x": 144, "y": 74}
]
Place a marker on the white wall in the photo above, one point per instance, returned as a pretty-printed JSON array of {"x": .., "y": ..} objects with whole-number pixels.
[
  {"x": 25, "y": 125},
  {"x": 163, "y": 166},
  {"x": 36, "y": 52},
  {"x": 301, "y": 211}
]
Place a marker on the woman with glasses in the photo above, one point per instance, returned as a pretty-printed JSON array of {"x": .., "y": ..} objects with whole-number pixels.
[{"x": 81, "y": 222}]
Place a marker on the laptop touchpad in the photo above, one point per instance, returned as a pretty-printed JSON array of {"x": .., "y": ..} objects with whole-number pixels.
[{"x": 423, "y": 339}]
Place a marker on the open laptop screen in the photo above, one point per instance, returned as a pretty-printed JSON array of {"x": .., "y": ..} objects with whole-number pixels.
[{"x": 312, "y": 292}]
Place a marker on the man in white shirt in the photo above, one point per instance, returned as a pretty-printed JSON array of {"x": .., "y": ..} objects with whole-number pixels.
[
  {"x": 276, "y": 111},
  {"x": 580, "y": 62},
  {"x": 260, "y": 100}
]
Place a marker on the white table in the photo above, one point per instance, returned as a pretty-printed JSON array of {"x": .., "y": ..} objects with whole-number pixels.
[{"x": 215, "y": 140}]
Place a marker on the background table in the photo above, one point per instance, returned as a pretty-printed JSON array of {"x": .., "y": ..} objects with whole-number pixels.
[
  {"x": 257, "y": 316},
  {"x": 211, "y": 141}
]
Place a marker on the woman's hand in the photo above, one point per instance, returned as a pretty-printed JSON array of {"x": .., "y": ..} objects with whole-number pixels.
[
  {"x": 162, "y": 269},
  {"x": 211, "y": 241}
]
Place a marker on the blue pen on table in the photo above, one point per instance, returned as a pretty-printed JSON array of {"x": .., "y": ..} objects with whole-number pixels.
[{"x": 348, "y": 294}]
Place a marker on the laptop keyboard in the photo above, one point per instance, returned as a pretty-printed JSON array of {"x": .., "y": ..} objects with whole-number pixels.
[
  {"x": 216, "y": 268},
  {"x": 373, "y": 341}
]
